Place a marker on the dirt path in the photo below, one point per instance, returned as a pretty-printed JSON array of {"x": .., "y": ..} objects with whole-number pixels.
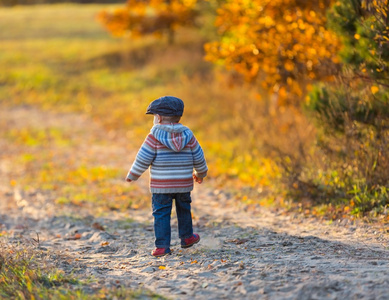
[{"x": 242, "y": 255}]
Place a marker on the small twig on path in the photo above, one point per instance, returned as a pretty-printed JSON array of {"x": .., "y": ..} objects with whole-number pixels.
[{"x": 37, "y": 239}]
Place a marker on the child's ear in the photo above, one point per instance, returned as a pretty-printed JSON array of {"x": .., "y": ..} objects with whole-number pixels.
[{"x": 157, "y": 119}]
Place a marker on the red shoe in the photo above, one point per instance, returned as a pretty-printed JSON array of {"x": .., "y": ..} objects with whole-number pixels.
[
  {"x": 189, "y": 242},
  {"x": 160, "y": 252}
]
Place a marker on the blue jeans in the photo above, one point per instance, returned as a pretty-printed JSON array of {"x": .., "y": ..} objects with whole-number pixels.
[{"x": 162, "y": 208}]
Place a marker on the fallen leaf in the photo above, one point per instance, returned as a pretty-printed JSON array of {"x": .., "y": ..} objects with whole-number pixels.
[
  {"x": 77, "y": 236},
  {"x": 98, "y": 226},
  {"x": 104, "y": 244},
  {"x": 162, "y": 267},
  {"x": 238, "y": 241}
]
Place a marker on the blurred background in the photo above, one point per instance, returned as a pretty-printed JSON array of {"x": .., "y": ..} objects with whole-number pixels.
[{"x": 288, "y": 98}]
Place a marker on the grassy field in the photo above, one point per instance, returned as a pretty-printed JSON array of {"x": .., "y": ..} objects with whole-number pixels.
[{"x": 59, "y": 58}]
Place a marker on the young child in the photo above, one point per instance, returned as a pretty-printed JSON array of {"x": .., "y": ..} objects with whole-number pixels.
[{"x": 176, "y": 158}]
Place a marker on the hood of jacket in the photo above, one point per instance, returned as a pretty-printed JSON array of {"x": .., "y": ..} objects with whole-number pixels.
[{"x": 174, "y": 136}]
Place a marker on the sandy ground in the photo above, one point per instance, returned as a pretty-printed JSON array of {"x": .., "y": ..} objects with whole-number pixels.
[{"x": 243, "y": 254}]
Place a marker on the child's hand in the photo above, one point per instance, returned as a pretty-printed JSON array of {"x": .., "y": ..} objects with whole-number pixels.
[{"x": 197, "y": 179}]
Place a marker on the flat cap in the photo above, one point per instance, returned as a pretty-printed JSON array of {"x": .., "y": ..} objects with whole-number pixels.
[{"x": 166, "y": 106}]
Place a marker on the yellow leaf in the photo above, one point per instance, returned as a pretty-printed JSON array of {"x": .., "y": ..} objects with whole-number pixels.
[
  {"x": 162, "y": 267},
  {"x": 374, "y": 89},
  {"x": 104, "y": 244},
  {"x": 289, "y": 65},
  {"x": 357, "y": 36}
]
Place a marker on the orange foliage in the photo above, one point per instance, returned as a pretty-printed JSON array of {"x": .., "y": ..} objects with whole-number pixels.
[
  {"x": 284, "y": 43},
  {"x": 157, "y": 17}
]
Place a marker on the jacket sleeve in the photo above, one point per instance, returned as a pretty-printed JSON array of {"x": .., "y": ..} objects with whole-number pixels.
[
  {"x": 144, "y": 158},
  {"x": 199, "y": 163}
]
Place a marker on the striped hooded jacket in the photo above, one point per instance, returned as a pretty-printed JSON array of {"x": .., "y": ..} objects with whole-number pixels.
[{"x": 173, "y": 152}]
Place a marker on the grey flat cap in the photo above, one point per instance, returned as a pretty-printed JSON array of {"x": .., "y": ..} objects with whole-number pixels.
[{"x": 166, "y": 106}]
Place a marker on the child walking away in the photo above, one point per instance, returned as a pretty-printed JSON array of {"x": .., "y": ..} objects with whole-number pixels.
[{"x": 176, "y": 159}]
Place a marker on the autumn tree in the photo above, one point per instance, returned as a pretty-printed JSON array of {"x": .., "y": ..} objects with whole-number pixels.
[
  {"x": 145, "y": 17},
  {"x": 282, "y": 44}
]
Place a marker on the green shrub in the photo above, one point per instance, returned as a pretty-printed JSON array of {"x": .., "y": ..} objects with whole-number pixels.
[{"x": 352, "y": 113}]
